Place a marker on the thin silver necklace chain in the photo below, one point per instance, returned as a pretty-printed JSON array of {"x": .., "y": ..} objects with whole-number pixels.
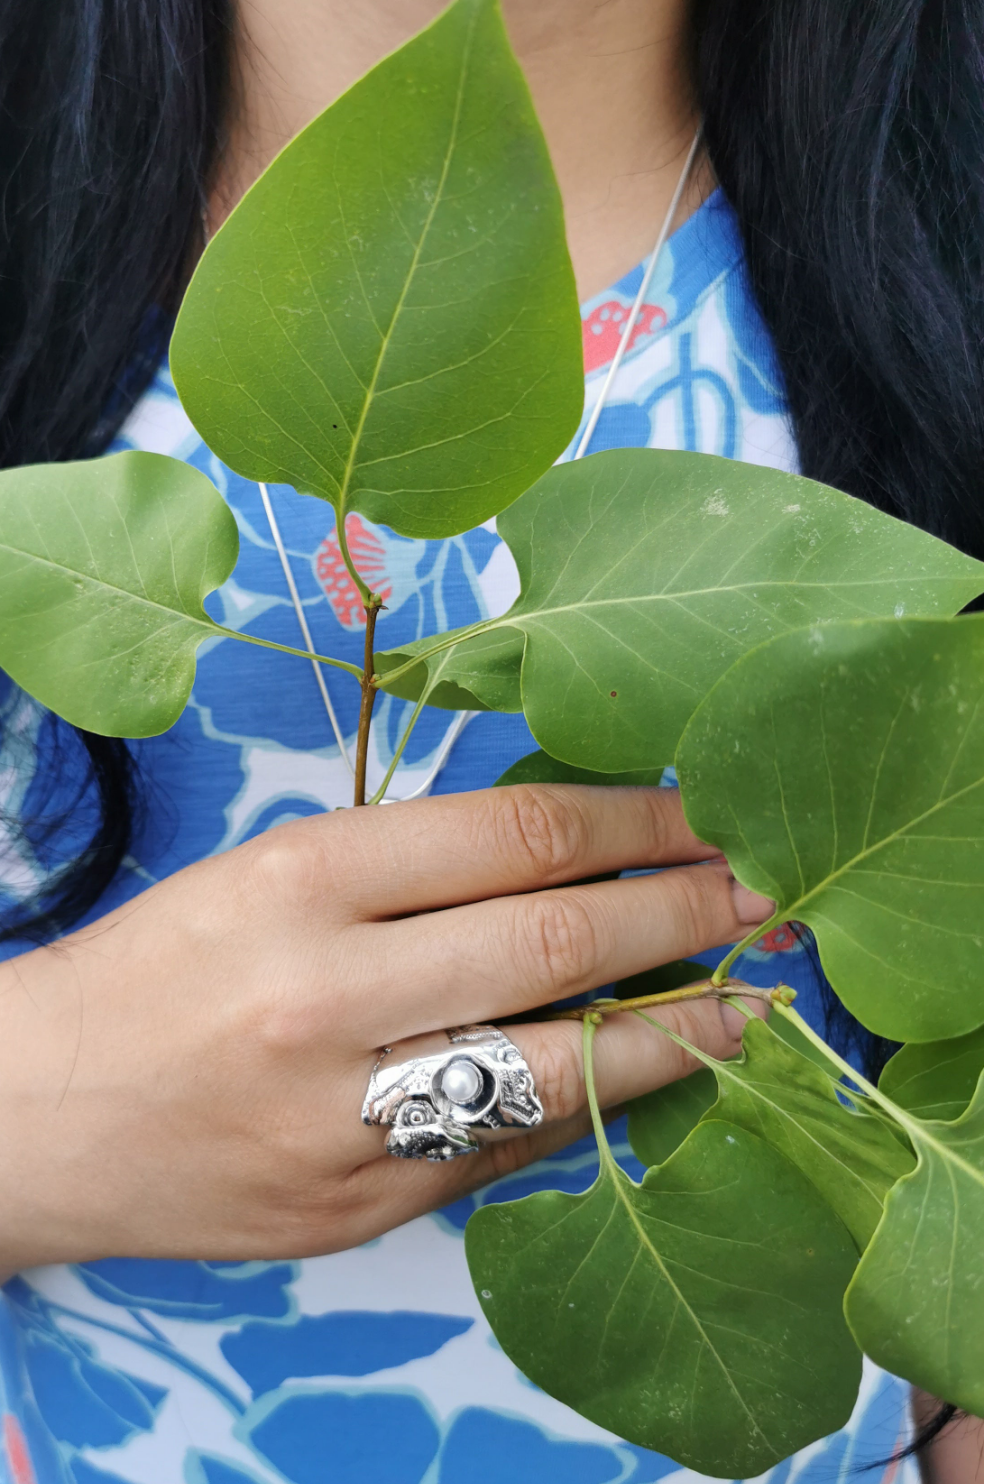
[{"x": 462, "y": 718}]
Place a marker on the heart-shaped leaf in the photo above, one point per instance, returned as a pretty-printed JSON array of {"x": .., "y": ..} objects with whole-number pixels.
[
  {"x": 841, "y": 770},
  {"x": 646, "y": 574},
  {"x": 703, "y": 1307},
  {"x": 103, "y": 569},
  {"x": 787, "y": 1100},
  {"x": 539, "y": 767},
  {"x": 916, "y": 1303},
  {"x": 388, "y": 319},
  {"x": 937, "y": 1079}
]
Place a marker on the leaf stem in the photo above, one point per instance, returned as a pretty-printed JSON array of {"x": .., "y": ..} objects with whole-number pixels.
[
  {"x": 485, "y": 625},
  {"x": 720, "y": 975},
  {"x": 590, "y": 1026},
  {"x": 364, "y": 592},
  {"x": 369, "y": 687},
  {"x": 705, "y": 990},
  {"x": 380, "y": 793},
  {"x": 322, "y": 659}
]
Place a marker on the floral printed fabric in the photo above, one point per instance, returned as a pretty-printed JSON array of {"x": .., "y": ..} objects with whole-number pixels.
[{"x": 373, "y": 1366}]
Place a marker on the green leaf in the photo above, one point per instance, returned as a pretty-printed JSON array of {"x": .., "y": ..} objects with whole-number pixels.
[
  {"x": 916, "y": 1303},
  {"x": 485, "y": 672},
  {"x": 388, "y": 319},
  {"x": 841, "y": 770},
  {"x": 698, "y": 1314},
  {"x": 103, "y": 569},
  {"x": 646, "y": 574},
  {"x": 787, "y": 1100},
  {"x": 539, "y": 767},
  {"x": 659, "y": 1121},
  {"x": 935, "y": 1080}
]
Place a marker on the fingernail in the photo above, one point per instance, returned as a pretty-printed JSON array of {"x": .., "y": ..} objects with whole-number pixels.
[{"x": 749, "y": 906}]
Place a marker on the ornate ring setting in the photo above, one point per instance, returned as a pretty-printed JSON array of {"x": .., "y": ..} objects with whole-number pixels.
[{"x": 433, "y": 1103}]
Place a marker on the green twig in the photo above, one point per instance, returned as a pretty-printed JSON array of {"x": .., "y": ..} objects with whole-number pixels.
[
  {"x": 303, "y": 654},
  {"x": 704, "y": 990},
  {"x": 368, "y": 681},
  {"x": 364, "y": 592},
  {"x": 484, "y": 626},
  {"x": 720, "y": 975},
  {"x": 380, "y": 793}
]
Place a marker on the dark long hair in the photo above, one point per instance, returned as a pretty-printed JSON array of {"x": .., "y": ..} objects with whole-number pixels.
[{"x": 111, "y": 114}]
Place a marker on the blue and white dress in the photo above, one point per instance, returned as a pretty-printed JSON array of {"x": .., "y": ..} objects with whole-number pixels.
[{"x": 373, "y": 1366}]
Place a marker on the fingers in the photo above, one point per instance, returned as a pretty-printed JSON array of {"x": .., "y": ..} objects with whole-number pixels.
[
  {"x": 631, "y": 1057},
  {"x": 456, "y": 848},
  {"x": 506, "y": 956}
]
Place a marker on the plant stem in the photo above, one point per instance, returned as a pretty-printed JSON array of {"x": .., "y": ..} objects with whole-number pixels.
[
  {"x": 380, "y": 793},
  {"x": 484, "y": 626},
  {"x": 591, "y": 1023},
  {"x": 369, "y": 687},
  {"x": 364, "y": 592},
  {"x": 706, "y": 990},
  {"x": 303, "y": 654},
  {"x": 720, "y": 975}
]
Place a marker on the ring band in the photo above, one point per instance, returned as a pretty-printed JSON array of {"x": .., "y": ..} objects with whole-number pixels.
[{"x": 434, "y": 1102}]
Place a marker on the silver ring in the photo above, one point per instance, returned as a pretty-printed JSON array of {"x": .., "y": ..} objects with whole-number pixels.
[{"x": 434, "y": 1102}]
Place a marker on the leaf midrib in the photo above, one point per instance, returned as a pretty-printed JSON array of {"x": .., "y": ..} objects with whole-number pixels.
[
  {"x": 618, "y": 1181},
  {"x": 384, "y": 344},
  {"x": 791, "y": 909},
  {"x": 204, "y": 623}
]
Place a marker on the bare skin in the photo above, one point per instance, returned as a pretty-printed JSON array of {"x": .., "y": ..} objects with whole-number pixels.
[
  {"x": 184, "y": 1078},
  {"x": 608, "y": 77}
]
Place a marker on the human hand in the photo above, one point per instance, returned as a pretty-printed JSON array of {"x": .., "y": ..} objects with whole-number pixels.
[{"x": 185, "y": 1077}]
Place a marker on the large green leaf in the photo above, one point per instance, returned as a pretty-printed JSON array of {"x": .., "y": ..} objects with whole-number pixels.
[
  {"x": 388, "y": 319},
  {"x": 916, "y": 1303},
  {"x": 103, "y": 569},
  {"x": 841, "y": 770},
  {"x": 646, "y": 574},
  {"x": 483, "y": 674},
  {"x": 698, "y": 1314},
  {"x": 659, "y": 1121},
  {"x": 539, "y": 767},
  {"x": 935, "y": 1079},
  {"x": 786, "y": 1099}
]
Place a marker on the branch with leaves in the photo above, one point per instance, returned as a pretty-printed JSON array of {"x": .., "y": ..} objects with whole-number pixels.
[{"x": 388, "y": 322}]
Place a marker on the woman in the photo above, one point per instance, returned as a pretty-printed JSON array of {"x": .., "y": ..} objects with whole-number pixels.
[{"x": 181, "y": 1077}]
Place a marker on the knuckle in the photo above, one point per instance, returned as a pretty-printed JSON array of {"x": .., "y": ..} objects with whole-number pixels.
[
  {"x": 559, "y": 1076},
  {"x": 562, "y": 938},
  {"x": 539, "y": 829},
  {"x": 695, "y": 905},
  {"x": 283, "y": 866}
]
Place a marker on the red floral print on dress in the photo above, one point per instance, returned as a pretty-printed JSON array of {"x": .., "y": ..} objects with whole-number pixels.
[
  {"x": 15, "y": 1447},
  {"x": 602, "y": 330},
  {"x": 781, "y": 940},
  {"x": 369, "y": 557}
]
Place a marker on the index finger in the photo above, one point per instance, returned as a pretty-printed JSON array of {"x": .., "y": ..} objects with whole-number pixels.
[{"x": 458, "y": 848}]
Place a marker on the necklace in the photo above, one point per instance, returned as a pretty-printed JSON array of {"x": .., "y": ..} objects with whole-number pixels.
[{"x": 462, "y": 718}]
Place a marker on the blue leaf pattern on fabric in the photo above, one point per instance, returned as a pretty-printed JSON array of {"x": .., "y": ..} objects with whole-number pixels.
[
  {"x": 206, "y": 1468},
  {"x": 83, "y": 1402},
  {"x": 192, "y": 1290},
  {"x": 343, "y": 1343},
  {"x": 83, "y": 1472},
  {"x": 331, "y": 1437},
  {"x": 486, "y": 1446},
  {"x": 652, "y": 1466}
]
